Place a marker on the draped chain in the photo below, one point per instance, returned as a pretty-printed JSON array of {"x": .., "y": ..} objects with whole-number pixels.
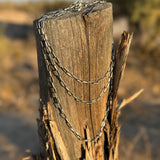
[{"x": 53, "y": 63}]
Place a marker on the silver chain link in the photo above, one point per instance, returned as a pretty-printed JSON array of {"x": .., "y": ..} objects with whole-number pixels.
[
  {"x": 77, "y": 6},
  {"x": 52, "y": 60},
  {"x": 51, "y": 56},
  {"x": 55, "y": 60},
  {"x": 63, "y": 84}
]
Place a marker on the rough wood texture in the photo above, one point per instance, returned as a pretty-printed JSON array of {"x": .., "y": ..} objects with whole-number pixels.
[
  {"x": 112, "y": 128},
  {"x": 83, "y": 43}
]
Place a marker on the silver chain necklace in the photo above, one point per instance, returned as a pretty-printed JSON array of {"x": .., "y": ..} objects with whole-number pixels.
[{"x": 52, "y": 61}]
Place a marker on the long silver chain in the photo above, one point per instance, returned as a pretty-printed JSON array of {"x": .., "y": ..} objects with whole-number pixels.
[
  {"x": 55, "y": 60},
  {"x": 52, "y": 60},
  {"x": 77, "y": 6}
]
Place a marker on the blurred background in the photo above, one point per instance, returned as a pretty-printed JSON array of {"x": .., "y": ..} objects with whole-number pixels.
[{"x": 19, "y": 90}]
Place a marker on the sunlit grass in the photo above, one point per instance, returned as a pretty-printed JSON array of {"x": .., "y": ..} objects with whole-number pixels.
[{"x": 36, "y": 8}]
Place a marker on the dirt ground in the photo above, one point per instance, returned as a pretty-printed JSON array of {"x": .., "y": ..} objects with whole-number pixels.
[{"x": 19, "y": 96}]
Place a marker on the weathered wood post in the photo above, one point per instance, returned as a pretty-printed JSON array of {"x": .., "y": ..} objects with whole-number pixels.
[{"x": 76, "y": 67}]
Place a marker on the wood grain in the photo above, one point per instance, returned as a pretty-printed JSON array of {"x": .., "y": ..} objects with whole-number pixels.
[{"x": 83, "y": 43}]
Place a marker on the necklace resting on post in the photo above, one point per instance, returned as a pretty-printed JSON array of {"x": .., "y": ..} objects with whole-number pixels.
[{"x": 52, "y": 62}]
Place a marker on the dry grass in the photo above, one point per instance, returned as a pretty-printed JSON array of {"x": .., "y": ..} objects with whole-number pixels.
[{"x": 35, "y": 9}]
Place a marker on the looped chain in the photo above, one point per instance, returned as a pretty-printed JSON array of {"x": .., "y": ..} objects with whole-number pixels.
[
  {"x": 62, "y": 83},
  {"x": 50, "y": 56},
  {"x": 52, "y": 61},
  {"x": 67, "y": 72},
  {"x": 77, "y": 6}
]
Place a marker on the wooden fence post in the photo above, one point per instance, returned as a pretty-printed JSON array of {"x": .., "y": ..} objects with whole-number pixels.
[{"x": 77, "y": 98}]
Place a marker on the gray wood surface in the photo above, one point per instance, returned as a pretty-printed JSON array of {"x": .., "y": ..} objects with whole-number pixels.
[{"x": 83, "y": 43}]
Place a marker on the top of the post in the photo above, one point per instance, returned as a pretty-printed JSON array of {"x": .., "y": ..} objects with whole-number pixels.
[{"x": 77, "y": 8}]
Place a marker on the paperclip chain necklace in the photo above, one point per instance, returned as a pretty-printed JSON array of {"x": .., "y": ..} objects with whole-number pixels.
[{"x": 52, "y": 60}]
